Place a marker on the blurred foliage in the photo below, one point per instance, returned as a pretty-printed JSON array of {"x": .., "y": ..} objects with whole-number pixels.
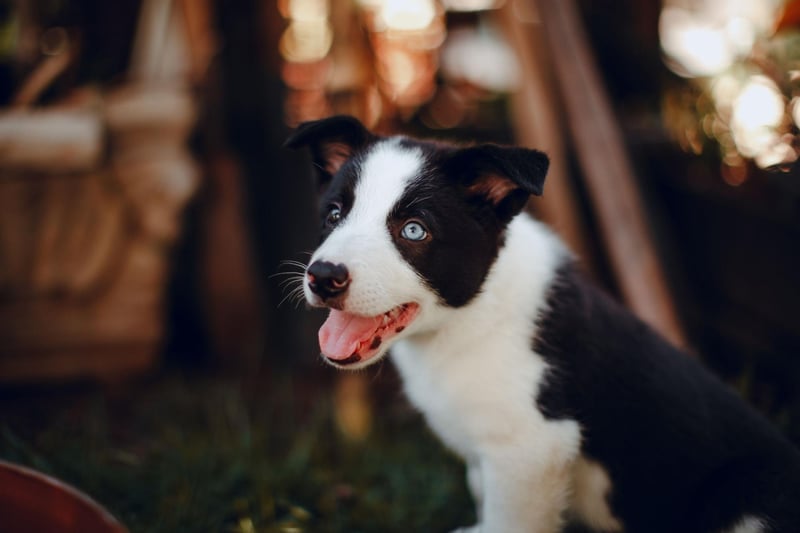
[{"x": 200, "y": 455}]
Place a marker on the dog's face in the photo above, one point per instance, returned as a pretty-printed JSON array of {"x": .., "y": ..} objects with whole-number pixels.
[{"x": 410, "y": 230}]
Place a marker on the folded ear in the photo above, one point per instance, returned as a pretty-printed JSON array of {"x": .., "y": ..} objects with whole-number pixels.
[
  {"x": 332, "y": 142},
  {"x": 504, "y": 176}
]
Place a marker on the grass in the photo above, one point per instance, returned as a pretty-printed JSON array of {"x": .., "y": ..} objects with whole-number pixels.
[{"x": 214, "y": 455}]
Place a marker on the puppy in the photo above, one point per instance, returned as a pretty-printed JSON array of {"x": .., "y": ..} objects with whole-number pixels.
[{"x": 565, "y": 407}]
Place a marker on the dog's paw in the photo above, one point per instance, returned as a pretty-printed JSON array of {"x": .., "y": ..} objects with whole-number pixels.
[{"x": 472, "y": 529}]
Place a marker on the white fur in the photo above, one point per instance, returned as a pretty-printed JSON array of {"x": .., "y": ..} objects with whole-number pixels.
[
  {"x": 381, "y": 278},
  {"x": 591, "y": 486},
  {"x": 470, "y": 370},
  {"x": 749, "y": 524},
  {"x": 476, "y": 380}
]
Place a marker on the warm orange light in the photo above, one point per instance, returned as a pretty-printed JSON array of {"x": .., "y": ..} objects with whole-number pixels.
[
  {"x": 306, "y": 41},
  {"x": 795, "y": 107},
  {"x": 707, "y": 36},
  {"x": 399, "y": 70},
  {"x": 407, "y": 15},
  {"x": 701, "y": 49},
  {"x": 304, "y": 10},
  {"x": 481, "y": 58},
  {"x": 471, "y": 5},
  {"x": 757, "y": 112},
  {"x": 734, "y": 174}
]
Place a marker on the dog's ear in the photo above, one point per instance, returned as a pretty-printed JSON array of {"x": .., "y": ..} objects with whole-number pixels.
[
  {"x": 505, "y": 176},
  {"x": 332, "y": 142}
]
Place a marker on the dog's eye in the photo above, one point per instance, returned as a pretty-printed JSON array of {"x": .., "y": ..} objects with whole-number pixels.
[
  {"x": 334, "y": 216},
  {"x": 413, "y": 231}
]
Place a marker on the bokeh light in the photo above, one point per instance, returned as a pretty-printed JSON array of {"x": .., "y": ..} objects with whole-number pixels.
[
  {"x": 471, "y": 5},
  {"x": 742, "y": 72},
  {"x": 406, "y": 15},
  {"x": 696, "y": 47},
  {"x": 306, "y": 41},
  {"x": 758, "y": 111},
  {"x": 704, "y": 38},
  {"x": 481, "y": 58}
]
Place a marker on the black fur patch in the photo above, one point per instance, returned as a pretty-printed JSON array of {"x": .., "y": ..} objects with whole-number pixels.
[
  {"x": 466, "y": 227},
  {"x": 684, "y": 453},
  {"x": 464, "y": 236},
  {"x": 340, "y": 193},
  {"x": 332, "y": 141},
  {"x": 465, "y": 233},
  {"x": 354, "y": 358},
  {"x": 465, "y": 197}
]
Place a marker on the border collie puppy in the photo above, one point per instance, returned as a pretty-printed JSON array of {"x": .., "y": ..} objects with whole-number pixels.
[{"x": 565, "y": 407}]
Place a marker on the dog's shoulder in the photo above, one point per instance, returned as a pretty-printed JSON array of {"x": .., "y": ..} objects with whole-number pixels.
[{"x": 672, "y": 436}]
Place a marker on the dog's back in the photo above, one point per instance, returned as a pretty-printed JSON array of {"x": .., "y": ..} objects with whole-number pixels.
[{"x": 684, "y": 452}]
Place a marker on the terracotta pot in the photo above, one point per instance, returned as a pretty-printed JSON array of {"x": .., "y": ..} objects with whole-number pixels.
[{"x": 31, "y": 501}]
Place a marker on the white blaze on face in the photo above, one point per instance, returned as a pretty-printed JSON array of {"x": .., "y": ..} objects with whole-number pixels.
[
  {"x": 385, "y": 173},
  {"x": 381, "y": 280}
]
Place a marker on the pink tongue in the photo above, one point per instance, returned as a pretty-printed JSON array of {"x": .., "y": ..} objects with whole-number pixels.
[{"x": 341, "y": 334}]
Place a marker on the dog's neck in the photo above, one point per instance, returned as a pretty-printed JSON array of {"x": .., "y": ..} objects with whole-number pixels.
[
  {"x": 482, "y": 351},
  {"x": 514, "y": 291}
]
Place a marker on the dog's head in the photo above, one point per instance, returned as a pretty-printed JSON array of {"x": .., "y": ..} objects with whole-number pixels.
[{"x": 410, "y": 230}]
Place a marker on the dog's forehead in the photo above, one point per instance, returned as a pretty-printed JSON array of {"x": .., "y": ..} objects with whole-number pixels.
[{"x": 385, "y": 173}]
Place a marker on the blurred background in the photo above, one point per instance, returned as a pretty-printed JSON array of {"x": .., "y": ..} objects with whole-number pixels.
[{"x": 151, "y": 353}]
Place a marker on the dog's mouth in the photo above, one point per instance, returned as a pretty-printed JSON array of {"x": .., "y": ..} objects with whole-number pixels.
[{"x": 346, "y": 338}]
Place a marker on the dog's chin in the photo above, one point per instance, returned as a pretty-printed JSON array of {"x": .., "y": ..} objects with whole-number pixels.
[
  {"x": 357, "y": 363},
  {"x": 351, "y": 341}
]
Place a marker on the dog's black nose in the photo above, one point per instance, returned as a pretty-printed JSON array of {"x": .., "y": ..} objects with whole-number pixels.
[{"x": 327, "y": 280}]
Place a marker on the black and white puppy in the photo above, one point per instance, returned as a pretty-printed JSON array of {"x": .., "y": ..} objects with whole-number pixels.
[{"x": 564, "y": 406}]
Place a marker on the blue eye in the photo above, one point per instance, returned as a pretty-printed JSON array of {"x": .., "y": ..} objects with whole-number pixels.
[
  {"x": 333, "y": 217},
  {"x": 413, "y": 231}
]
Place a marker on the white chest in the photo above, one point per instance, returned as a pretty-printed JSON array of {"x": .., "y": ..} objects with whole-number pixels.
[
  {"x": 475, "y": 391},
  {"x": 479, "y": 397}
]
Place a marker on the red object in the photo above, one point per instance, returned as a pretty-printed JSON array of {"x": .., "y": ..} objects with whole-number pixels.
[
  {"x": 31, "y": 501},
  {"x": 790, "y": 17}
]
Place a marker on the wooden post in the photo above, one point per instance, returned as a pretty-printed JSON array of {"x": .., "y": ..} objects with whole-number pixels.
[
  {"x": 607, "y": 170},
  {"x": 537, "y": 124}
]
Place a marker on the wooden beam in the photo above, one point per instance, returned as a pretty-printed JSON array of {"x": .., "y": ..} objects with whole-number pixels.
[
  {"x": 607, "y": 171},
  {"x": 536, "y": 119}
]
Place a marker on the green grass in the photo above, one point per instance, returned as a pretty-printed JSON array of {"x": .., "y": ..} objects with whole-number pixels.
[{"x": 184, "y": 454}]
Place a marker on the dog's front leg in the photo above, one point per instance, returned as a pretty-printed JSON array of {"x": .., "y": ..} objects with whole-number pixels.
[
  {"x": 520, "y": 496},
  {"x": 520, "y": 492},
  {"x": 475, "y": 484}
]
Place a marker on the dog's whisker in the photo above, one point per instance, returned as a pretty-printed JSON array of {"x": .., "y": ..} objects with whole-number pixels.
[
  {"x": 297, "y": 297},
  {"x": 285, "y": 268},
  {"x": 293, "y": 264},
  {"x": 291, "y": 296},
  {"x": 290, "y": 284},
  {"x": 284, "y": 274},
  {"x": 289, "y": 276}
]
